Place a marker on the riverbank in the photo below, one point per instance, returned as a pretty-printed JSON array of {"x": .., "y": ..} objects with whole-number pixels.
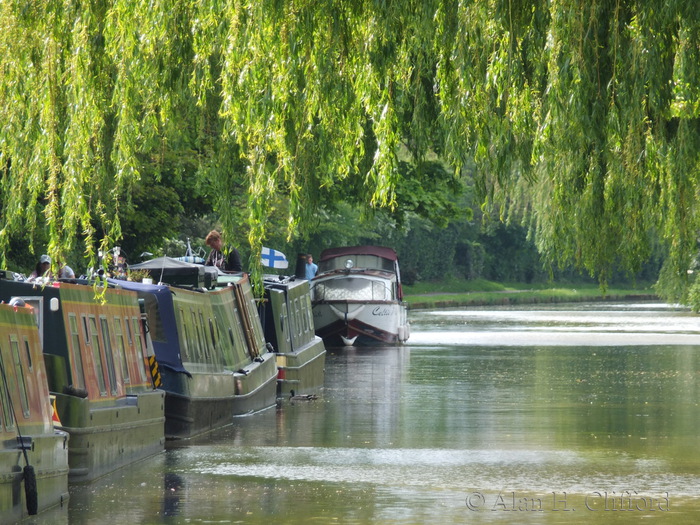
[{"x": 455, "y": 293}]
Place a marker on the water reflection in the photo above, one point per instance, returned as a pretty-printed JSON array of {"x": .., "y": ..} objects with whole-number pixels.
[{"x": 566, "y": 432}]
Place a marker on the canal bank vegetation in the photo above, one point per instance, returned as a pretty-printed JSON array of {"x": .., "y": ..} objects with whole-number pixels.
[{"x": 455, "y": 293}]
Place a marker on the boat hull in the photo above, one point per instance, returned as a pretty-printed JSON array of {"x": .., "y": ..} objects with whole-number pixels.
[
  {"x": 106, "y": 439},
  {"x": 256, "y": 390},
  {"x": 49, "y": 459},
  {"x": 360, "y": 322},
  {"x": 302, "y": 371},
  {"x": 198, "y": 403}
]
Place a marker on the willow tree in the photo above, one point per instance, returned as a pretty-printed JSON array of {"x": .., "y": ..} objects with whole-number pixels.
[{"x": 581, "y": 113}]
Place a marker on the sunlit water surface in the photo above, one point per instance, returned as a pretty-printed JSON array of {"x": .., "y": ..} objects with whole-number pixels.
[{"x": 583, "y": 414}]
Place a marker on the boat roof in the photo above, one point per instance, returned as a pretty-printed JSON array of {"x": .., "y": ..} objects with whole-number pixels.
[
  {"x": 167, "y": 263},
  {"x": 138, "y": 287},
  {"x": 379, "y": 251},
  {"x": 179, "y": 272}
]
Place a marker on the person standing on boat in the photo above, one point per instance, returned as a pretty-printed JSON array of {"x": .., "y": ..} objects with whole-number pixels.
[
  {"x": 311, "y": 268},
  {"x": 232, "y": 263}
]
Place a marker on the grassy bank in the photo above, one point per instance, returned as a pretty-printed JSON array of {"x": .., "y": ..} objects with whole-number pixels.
[{"x": 456, "y": 293}]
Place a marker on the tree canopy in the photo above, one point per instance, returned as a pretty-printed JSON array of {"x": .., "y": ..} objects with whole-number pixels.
[{"x": 581, "y": 115}]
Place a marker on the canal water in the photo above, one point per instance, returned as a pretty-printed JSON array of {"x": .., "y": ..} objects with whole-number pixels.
[{"x": 547, "y": 415}]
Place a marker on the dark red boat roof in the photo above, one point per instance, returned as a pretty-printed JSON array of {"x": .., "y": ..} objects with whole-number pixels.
[{"x": 379, "y": 251}]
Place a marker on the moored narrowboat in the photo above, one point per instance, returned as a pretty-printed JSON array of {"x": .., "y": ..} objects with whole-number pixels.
[
  {"x": 33, "y": 454},
  {"x": 288, "y": 321},
  {"x": 95, "y": 350},
  {"x": 357, "y": 296},
  {"x": 213, "y": 359}
]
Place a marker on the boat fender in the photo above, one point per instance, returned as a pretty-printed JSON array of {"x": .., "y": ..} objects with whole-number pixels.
[
  {"x": 73, "y": 391},
  {"x": 30, "y": 490}
]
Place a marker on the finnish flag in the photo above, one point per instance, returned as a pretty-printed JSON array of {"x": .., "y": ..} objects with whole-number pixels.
[{"x": 273, "y": 258}]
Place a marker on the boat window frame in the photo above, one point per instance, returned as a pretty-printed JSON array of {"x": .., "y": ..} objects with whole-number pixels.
[
  {"x": 198, "y": 320},
  {"x": 212, "y": 333},
  {"x": 184, "y": 343},
  {"x": 20, "y": 375},
  {"x": 7, "y": 417},
  {"x": 97, "y": 355},
  {"x": 140, "y": 345},
  {"x": 109, "y": 354},
  {"x": 28, "y": 353},
  {"x": 286, "y": 323},
  {"x": 298, "y": 321},
  {"x": 121, "y": 349},
  {"x": 77, "y": 360},
  {"x": 309, "y": 314}
]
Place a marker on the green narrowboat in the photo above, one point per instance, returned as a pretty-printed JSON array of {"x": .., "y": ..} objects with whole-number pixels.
[
  {"x": 33, "y": 452},
  {"x": 96, "y": 355},
  {"x": 287, "y": 317}
]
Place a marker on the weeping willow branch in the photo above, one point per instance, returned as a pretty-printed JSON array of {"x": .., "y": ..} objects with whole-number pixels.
[{"x": 583, "y": 114}]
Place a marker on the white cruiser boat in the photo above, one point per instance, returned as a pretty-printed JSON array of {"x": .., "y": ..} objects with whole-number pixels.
[{"x": 357, "y": 297}]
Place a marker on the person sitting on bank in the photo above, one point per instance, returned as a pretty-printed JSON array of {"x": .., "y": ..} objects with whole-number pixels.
[
  {"x": 232, "y": 263},
  {"x": 311, "y": 268}
]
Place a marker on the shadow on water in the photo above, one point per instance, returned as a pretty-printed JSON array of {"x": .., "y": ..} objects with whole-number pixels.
[{"x": 451, "y": 428}]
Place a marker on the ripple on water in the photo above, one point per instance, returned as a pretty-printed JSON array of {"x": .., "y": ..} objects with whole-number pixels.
[{"x": 536, "y": 471}]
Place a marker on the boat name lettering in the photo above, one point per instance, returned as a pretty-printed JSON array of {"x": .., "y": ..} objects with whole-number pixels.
[{"x": 381, "y": 311}]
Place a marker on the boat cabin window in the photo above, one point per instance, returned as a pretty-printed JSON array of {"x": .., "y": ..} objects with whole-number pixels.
[
  {"x": 237, "y": 336},
  {"x": 371, "y": 262},
  {"x": 155, "y": 324},
  {"x": 94, "y": 340},
  {"x": 352, "y": 289},
  {"x": 19, "y": 373},
  {"x": 78, "y": 372},
  {"x": 212, "y": 333},
  {"x": 140, "y": 346},
  {"x": 195, "y": 343},
  {"x": 121, "y": 348},
  {"x": 5, "y": 412},
  {"x": 297, "y": 315},
  {"x": 129, "y": 338},
  {"x": 109, "y": 355},
  {"x": 250, "y": 311},
  {"x": 284, "y": 321},
  {"x": 201, "y": 339},
  {"x": 185, "y": 339},
  {"x": 309, "y": 312},
  {"x": 304, "y": 318},
  {"x": 28, "y": 353},
  {"x": 293, "y": 321},
  {"x": 86, "y": 329}
]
